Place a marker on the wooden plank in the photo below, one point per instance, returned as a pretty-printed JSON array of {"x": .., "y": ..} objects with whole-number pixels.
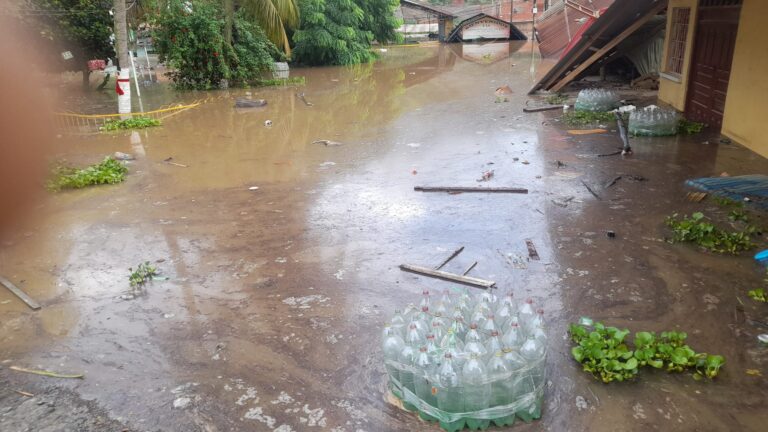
[
  {"x": 19, "y": 293},
  {"x": 532, "y": 253},
  {"x": 438, "y": 274},
  {"x": 544, "y": 108},
  {"x": 586, "y": 131},
  {"x": 447, "y": 260},
  {"x": 469, "y": 189},
  {"x": 609, "y": 46}
]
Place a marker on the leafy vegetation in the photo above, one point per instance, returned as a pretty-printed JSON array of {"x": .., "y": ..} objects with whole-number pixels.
[
  {"x": 300, "y": 80},
  {"x": 131, "y": 123},
  {"x": 194, "y": 46},
  {"x": 332, "y": 32},
  {"x": 108, "y": 171},
  {"x": 143, "y": 274},
  {"x": 604, "y": 352},
  {"x": 379, "y": 18},
  {"x": 557, "y": 99},
  {"x": 272, "y": 16},
  {"x": 759, "y": 294},
  {"x": 689, "y": 127},
  {"x": 696, "y": 230},
  {"x": 82, "y": 27},
  {"x": 583, "y": 118},
  {"x": 727, "y": 202}
]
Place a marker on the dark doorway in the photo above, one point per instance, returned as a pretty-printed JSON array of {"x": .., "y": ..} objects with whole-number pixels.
[{"x": 716, "y": 28}]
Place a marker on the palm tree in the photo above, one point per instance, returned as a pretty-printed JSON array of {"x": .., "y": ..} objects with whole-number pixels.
[{"x": 271, "y": 15}]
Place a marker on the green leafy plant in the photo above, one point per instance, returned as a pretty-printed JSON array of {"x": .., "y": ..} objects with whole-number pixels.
[
  {"x": 696, "y": 230},
  {"x": 583, "y": 118},
  {"x": 737, "y": 215},
  {"x": 144, "y": 273},
  {"x": 603, "y": 352},
  {"x": 727, "y": 202},
  {"x": 759, "y": 294},
  {"x": 108, "y": 171},
  {"x": 300, "y": 80},
  {"x": 689, "y": 127},
  {"x": 557, "y": 99},
  {"x": 131, "y": 123},
  {"x": 190, "y": 38}
]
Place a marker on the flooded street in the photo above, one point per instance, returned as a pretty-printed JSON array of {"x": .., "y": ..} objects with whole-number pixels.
[{"x": 271, "y": 316}]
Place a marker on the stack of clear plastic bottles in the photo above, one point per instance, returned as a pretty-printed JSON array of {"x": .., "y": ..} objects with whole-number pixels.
[
  {"x": 653, "y": 121},
  {"x": 467, "y": 359},
  {"x": 596, "y": 100}
]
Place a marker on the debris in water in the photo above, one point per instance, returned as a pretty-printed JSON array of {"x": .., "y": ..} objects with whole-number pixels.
[
  {"x": 610, "y": 234},
  {"x": 249, "y": 103},
  {"x": 123, "y": 156},
  {"x": 19, "y": 293},
  {"x": 438, "y": 274},
  {"x": 457, "y": 189},
  {"x": 532, "y": 253},
  {"x": 253, "y": 188},
  {"x": 268, "y": 123},
  {"x": 414, "y": 145},
  {"x": 303, "y": 99},
  {"x": 563, "y": 202},
  {"x": 182, "y": 402},
  {"x": 327, "y": 164},
  {"x": 46, "y": 373},
  {"x": 327, "y": 143},
  {"x": 586, "y": 131},
  {"x": 169, "y": 161},
  {"x": 590, "y": 190},
  {"x": 559, "y": 164},
  {"x": 487, "y": 175}
]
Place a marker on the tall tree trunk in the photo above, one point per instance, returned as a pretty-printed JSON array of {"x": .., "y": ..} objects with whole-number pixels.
[
  {"x": 229, "y": 19},
  {"x": 121, "y": 34}
]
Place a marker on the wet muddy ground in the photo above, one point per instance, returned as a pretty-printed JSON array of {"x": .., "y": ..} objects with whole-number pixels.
[{"x": 271, "y": 316}]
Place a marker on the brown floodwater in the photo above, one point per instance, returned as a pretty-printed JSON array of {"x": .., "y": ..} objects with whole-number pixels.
[{"x": 270, "y": 318}]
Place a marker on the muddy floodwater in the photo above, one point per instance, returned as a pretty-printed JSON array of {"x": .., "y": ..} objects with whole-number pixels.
[{"x": 282, "y": 256}]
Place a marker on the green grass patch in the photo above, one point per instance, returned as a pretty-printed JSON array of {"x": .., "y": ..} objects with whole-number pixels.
[
  {"x": 689, "y": 127},
  {"x": 604, "y": 352},
  {"x": 131, "y": 123},
  {"x": 557, "y": 99},
  {"x": 705, "y": 234},
  {"x": 583, "y": 118},
  {"x": 108, "y": 171},
  {"x": 300, "y": 80}
]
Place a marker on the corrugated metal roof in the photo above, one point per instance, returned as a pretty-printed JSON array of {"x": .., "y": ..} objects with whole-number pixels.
[
  {"x": 557, "y": 26},
  {"x": 615, "y": 21}
]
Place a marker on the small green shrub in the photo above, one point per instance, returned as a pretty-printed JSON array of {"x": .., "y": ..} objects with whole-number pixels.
[
  {"x": 108, "y": 171},
  {"x": 603, "y": 352},
  {"x": 689, "y": 127},
  {"x": 759, "y": 294},
  {"x": 696, "y": 230},
  {"x": 131, "y": 123},
  {"x": 583, "y": 118},
  {"x": 557, "y": 99},
  {"x": 143, "y": 274}
]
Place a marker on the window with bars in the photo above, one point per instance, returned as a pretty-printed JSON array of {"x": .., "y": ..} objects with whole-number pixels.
[{"x": 677, "y": 36}]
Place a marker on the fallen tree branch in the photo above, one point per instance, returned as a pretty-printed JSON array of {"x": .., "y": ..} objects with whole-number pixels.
[
  {"x": 464, "y": 280},
  {"x": 469, "y": 189}
]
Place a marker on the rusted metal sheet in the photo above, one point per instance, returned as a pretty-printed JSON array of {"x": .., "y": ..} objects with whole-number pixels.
[{"x": 559, "y": 25}]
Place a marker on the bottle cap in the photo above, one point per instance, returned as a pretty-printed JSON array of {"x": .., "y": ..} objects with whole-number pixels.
[
  {"x": 423, "y": 349},
  {"x": 473, "y": 326},
  {"x": 529, "y": 301},
  {"x": 494, "y": 333}
]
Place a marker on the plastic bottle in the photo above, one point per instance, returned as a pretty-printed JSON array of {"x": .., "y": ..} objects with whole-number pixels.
[
  {"x": 477, "y": 390},
  {"x": 533, "y": 353},
  {"x": 449, "y": 395},
  {"x": 433, "y": 349},
  {"x": 502, "y": 392},
  {"x": 426, "y": 368},
  {"x": 473, "y": 342},
  {"x": 521, "y": 382},
  {"x": 451, "y": 344},
  {"x": 447, "y": 298},
  {"x": 512, "y": 338},
  {"x": 596, "y": 100},
  {"x": 438, "y": 330},
  {"x": 392, "y": 345},
  {"x": 409, "y": 312},
  {"x": 425, "y": 320},
  {"x": 459, "y": 327},
  {"x": 490, "y": 325},
  {"x": 414, "y": 337},
  {"x": 526, "y": 314},
  {"x": 506, "y": 310},
  {"x": 425, "y": 301},
  {"x": 407, "y": 359},
  {"x": 493, "y": 343},
  {"x": 398, "y": 322}
]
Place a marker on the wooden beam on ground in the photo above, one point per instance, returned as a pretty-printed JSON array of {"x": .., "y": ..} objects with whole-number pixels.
[
  {"x": 609, "y": 46},
  {"x": 450, "y": 277},
  {"x": 469, "y": 189},
  {"x": 19, "y": 293},
  {"x": 447, "y": 260},
  {"x": 544, "y": 108}
]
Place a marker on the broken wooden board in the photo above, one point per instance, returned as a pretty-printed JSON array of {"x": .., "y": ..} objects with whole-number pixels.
[
  {"x": 470, "y": 189},
  {"x": 586, "y": 131},
  {"x": 543, "y": 108},
  {"x": 447, "y": 260},
  {"x": 695, "y": 196},
  {"x": 532, "y": 253},
  {"x": 19, "y": 293},
  {"x": 438, "y": 274}
]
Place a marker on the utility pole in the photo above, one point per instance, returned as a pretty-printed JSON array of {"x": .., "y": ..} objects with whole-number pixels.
[{"x": 123, "y": 87}]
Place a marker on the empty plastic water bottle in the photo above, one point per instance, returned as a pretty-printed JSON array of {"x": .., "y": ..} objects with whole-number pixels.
[
  {"x": 414, "y": 337},
  {"x": 653, "y": 121},
  {"x": 392, "y": 345},
  {"x": 473, "y": 342},
  {"x": 449, "y": 397},
  {"x": 502, "y": 391},
  {"x": 426, "y": 368},
  {"x": 425, "y": 301},
  {"x": 407, "y": 359},
  {"x": 477, "y": 390},
  {"x": 526, "y": 314},
  {"x": 596, "y": 100},
  {"x": 493, "y": 344},
  {"x": 512, "y": 338}
]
